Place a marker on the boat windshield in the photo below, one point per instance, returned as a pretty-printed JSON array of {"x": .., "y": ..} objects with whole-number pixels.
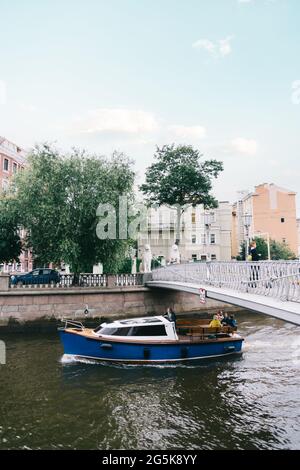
[{"x": 151, "y": 330}]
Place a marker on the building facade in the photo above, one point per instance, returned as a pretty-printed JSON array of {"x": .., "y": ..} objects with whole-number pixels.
[
  {"x": 205, "y": 235},
  {"x": 298, "y": 231},
  {"x": 12, "y": 160},
  {"x": 269, "y": 212}
]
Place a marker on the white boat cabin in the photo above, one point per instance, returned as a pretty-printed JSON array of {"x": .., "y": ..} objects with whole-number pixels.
[{"x": 159, "y": 328}]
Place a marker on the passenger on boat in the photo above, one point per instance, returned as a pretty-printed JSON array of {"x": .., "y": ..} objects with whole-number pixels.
[
  {"x": 171, "y": 315},
  {"x": 232, "y": 321},
  {"x": 220, "y": 315},
  {"x": 225, "y": 319},
  {"x": 215, "y": 323}
]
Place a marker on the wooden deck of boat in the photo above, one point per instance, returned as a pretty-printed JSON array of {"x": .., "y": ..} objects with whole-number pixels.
[{"x": 187, "y": 332}]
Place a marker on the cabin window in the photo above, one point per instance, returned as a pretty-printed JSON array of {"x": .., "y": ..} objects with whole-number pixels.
[
  {"x": 153, "y": 330},
  {"x": 113, "y": 331}
]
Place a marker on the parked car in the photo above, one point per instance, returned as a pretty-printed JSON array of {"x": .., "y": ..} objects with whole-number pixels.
[{"x": 37, "y": 276}]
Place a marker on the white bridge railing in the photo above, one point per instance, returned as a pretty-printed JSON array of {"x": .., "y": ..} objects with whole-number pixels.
[{"x": 278, "y": 279}]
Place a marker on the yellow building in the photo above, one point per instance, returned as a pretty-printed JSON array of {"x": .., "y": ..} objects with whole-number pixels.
[{"x": 270, "y": 212}]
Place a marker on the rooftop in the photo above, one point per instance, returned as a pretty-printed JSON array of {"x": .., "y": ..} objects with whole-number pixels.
[{"x": 12, "y": 150}]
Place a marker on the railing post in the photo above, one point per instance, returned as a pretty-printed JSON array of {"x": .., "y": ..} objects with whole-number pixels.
[
  {"x": 4, "y": 282},
  {"x": 111, "y": 280}
]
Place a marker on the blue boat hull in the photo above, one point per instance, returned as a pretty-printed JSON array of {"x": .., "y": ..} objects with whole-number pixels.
[{"x": 105, "y": 350}]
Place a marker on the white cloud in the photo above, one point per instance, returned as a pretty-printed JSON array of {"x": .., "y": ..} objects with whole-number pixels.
[
  {"x": 188, "y": 132},
  {"x": 205, "y": 44},
  {"x": 115, "y": 120},
  {"x": 3, "y": 92},
  {"x": 296, "y": 92},
  {"x": 225, "y": 46},
  {"x": 220, "y": 48},
  {"x": 245, "y": 146}
]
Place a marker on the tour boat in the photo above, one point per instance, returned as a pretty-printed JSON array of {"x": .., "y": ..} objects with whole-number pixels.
[{"x": 149, "y": 340}]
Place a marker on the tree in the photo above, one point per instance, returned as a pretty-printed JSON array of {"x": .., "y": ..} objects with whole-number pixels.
[
  {"x": 180, "y": 178},
  {"x": 278, "y": 251},
  {"x": 262, "y": 249},
  {"x": 10, "y": 242},
  {"x": 281, "y": 251},
  {"x": 57, "y": 197}
]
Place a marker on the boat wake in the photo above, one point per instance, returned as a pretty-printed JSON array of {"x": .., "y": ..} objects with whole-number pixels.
[{"x": 71, "y": 359}]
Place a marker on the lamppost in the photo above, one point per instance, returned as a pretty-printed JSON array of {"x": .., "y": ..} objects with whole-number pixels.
[
  {"x": 247, "y": 225},
  {"x": 208, "y": 220}
]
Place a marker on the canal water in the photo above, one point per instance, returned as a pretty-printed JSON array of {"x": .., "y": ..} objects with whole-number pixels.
[{"x": 250, "y": 402}]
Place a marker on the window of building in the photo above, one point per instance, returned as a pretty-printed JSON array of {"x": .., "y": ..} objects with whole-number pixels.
[
  {"x": 213, "y": 257},
  {"x": 15, "y": 167},
  {"x": 284, "y": 240},
  {"x": 194, "y": 257},
  {"x": 194, "y": 238},
  {"x": 5, "y": 164},
  {"x": 203, "y": 257},
  {"x": 282, "y": 220},
  {"x": 203, "y": 239},
  {"x": 193, "y": 217},
  {"x": 212, "y": 238}
]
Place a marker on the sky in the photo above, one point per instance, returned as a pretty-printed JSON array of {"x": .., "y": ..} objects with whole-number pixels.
[{"x": 221, "y": 75}]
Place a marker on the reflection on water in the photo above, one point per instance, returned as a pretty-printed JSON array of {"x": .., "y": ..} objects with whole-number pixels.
[{"x": 248, "y": 402}]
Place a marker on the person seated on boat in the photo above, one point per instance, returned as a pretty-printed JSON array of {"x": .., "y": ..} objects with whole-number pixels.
[
  {"x": 215, "y": 323},
  {"x": 225, "y": 320},
  {"x": 231, "y": 321},
  {"x": 220, "y": 315}
]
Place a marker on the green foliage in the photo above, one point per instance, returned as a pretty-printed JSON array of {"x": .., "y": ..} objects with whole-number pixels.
[
  {"x": 126, "y": 266},
  {"x": 155, "y": 263},
  {"x": 179, "y": 177},
  {"x": 278, "y": 251},
  {"x": 57, "y": 198},
  {"x": 10, "y": 243},
  {"x": 261, "y": 246},
  {"x": 281, "y": 251}
]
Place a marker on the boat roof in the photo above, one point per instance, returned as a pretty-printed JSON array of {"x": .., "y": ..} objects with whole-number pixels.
[{"x": 144, "y": 321}]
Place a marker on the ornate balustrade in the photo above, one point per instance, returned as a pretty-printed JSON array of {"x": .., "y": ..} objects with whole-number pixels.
[
  {"x": 126, "y": 280},
  {"x": 278, "y": 279},
  {"x": 85, "y": 280}
]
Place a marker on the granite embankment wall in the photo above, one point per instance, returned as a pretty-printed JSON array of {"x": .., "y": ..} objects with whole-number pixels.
[{"x": 25, "y": 307}]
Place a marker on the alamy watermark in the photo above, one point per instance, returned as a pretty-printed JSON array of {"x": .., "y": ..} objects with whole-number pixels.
[
  {"x": 296, "y": 92},
  {"x": 2, "y": 353},
  {"x": 127, "y": 220}
]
